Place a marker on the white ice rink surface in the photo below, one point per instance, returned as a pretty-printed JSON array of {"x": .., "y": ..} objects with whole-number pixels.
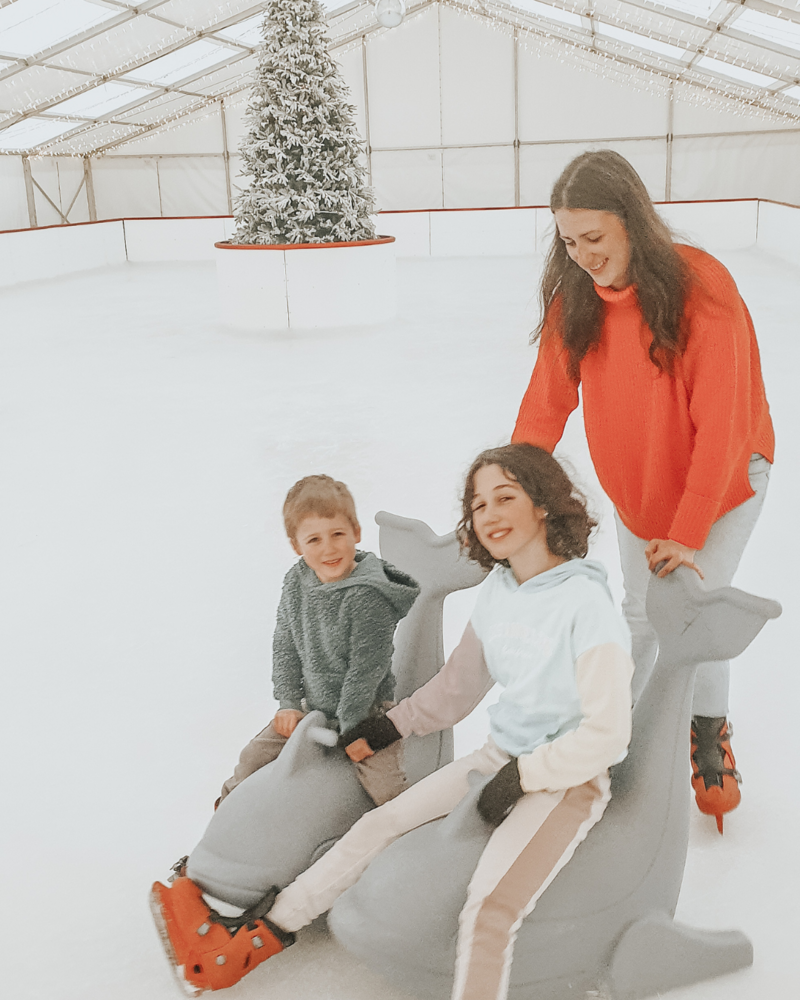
[{"x": 145, "y": 454}]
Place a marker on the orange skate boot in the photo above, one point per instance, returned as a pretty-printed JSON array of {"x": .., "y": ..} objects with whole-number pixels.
[
  {"x": 207, "y": 950},
  {"x": 715, "y": 779}
]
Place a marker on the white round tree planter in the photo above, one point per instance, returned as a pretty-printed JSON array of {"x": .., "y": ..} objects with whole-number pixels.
[{"x": 307, "y": 285}]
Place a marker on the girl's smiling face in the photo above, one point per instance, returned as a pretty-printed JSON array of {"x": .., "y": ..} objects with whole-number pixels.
[
  {"x": 504, "y": 518},
  {"x": 598, "y": 242}
]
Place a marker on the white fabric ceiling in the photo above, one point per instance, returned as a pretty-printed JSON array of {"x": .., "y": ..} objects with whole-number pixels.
[{"x": 86, "y": 76}]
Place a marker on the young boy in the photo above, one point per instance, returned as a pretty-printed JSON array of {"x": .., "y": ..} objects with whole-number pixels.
[{"x": 332, "y": 648}]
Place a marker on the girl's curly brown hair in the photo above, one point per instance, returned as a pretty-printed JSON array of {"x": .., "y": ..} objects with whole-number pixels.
[{"x": 568, "y": 525}]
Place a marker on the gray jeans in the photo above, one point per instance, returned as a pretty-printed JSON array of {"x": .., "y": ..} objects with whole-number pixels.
[
  {"x": 718, "y": 560},
  {"x": 382, "y": 775}
]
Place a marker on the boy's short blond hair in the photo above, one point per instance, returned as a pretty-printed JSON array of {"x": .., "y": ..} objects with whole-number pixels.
[{"x": 320, "y": 496}]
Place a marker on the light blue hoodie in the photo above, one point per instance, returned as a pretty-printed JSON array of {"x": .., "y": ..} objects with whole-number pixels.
[{"x": 532, "y": 634}]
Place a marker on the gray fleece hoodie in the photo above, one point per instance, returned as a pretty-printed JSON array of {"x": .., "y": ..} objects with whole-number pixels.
[{"x": 333, "y": 645}]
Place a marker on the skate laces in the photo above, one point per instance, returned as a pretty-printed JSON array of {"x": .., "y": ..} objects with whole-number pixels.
[
  {"x": 179, "y": 868},
  {"x": 249, "y": 917},
  {"x": 711, "y": 737}
]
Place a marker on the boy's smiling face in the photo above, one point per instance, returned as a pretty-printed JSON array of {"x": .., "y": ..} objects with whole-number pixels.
[{"x": 328, "y": 546}]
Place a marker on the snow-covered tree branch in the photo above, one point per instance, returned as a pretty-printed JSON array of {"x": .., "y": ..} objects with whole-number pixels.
[{"x": 302, "y": 146}]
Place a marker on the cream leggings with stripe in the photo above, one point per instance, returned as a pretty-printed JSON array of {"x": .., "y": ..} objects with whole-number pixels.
[{"x": 523, "y": 856}]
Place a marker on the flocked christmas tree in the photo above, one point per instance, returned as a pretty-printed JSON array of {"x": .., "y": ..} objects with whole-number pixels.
[{"x": 302, "y": 146}]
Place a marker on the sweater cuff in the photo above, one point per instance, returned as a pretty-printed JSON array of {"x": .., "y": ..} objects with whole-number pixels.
[
  {"x": 400, "y": 717},
  {"x": 693, "y": 520},
  {"x": 285, "y": 703},
  {"x": 542, "y": 437}
]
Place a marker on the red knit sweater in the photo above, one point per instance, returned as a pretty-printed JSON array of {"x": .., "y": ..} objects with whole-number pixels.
[{"x": 670, "y": 451}]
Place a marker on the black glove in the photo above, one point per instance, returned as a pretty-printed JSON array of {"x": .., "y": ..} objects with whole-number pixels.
[
  {"x": 499, "y": 795},
  {"x": 378, "y": 730}
]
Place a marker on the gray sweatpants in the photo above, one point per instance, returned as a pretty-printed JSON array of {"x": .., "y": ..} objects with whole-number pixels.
[
  {"x": 382, "y": 775},
  {"x": 718, "y": 559}
]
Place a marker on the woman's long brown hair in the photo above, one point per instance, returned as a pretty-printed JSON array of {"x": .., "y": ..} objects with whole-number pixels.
[{"x": 604, "y": 181}]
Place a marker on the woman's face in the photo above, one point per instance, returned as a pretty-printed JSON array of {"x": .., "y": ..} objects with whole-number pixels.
[
  {"x": 598, "y": 242},
  {"x": 503, "y": 516}
]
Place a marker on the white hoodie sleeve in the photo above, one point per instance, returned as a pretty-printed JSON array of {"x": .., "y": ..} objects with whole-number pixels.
[
  {"x": 451, "y": 695},
  {"x": 603, "y": 675}
]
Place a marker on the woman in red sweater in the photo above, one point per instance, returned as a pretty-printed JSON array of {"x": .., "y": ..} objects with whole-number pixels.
[{"x": 676, "y": 417}]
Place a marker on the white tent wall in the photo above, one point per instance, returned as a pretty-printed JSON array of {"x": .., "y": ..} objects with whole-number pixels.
[
  {"x": 126, "y": 187},
  {"x": 738, "y": 166},
  {"x": 13, "y": 200},
  {"x": 456, "y": 113}
]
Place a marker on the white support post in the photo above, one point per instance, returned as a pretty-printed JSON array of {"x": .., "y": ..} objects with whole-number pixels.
[
  {"x": 367, "y": 139},
  {"x": 26, "y": 172},
  {"x": 226, "y": 156},
  {"x": 670, "y": 126},
  {"x": 516, "y": 117},
  {"x": 89, "y": 182},
  {"x": 441, "y": 116},
  {"x": 158, "y": 181}
]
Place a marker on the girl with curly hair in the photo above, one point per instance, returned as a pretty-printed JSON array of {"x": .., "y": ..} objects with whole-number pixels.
[{"x": 676, "y": 417}]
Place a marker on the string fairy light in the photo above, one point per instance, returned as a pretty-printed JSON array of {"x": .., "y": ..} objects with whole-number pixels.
[{"x": 638, "y": 69}]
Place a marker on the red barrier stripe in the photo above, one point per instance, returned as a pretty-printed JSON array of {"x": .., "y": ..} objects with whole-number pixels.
[
  {"x": 302, "y": 246},
  {"x": 393, "y": 211}
]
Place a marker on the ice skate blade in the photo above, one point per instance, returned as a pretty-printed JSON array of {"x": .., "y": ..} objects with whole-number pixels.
[{"x": 189, "y": 989}]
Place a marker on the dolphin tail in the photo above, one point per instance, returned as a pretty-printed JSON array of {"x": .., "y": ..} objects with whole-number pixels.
[
  {"x": 695, "y": 625},
  {"x": 655, "y": 954},
  {"x": 437, "y": 562}
]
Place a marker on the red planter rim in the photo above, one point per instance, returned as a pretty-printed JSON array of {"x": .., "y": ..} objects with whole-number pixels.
[{"x": 225, "y": 245}]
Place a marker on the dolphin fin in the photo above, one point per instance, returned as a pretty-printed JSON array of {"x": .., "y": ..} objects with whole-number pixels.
[{"x": 304, "y": 748}]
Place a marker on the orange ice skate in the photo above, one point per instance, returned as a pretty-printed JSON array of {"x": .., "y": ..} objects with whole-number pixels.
[
  {"x": 715, "y": 779},
  {"x": 207, "y": 950}
]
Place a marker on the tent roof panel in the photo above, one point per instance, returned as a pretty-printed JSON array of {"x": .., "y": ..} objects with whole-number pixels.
[
  {"x": 786, "y": 5},
  {"x": 183, "y": 63},
  {"x": 203, "y": 14},
  {"x": 697, "y": 8},
  {"x": 127, "y": 44},
  {"x": 769, "y": 27},
  {"x": 110, "y": 44},
  {"x": 37, "y": 86},
  {"x": 31, "y": 26},
  {"x": 760, "y": 60},
  {"x": 32, "y": 132},
  {"x": 734, "y": 72},
  {"x": 227, "y": 79},
  {"x": 245, "y": 32},
  {"x": 101, "y": 101},
  {"x": 551, "y": 12},
  {"x": 165, "y": 106},
  {"x": 87, "y": 142},
  {"x": 661, "y": 26},
  {"x": 642, "y": 41}
]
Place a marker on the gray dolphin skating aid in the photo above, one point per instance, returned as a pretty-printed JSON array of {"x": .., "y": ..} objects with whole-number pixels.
[
  {"x": 284, "y": 816},
  {"x": 606, "y": 922}
]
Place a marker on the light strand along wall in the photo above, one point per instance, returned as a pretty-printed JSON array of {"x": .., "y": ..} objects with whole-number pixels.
[{"x": 458, "y": 115}]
